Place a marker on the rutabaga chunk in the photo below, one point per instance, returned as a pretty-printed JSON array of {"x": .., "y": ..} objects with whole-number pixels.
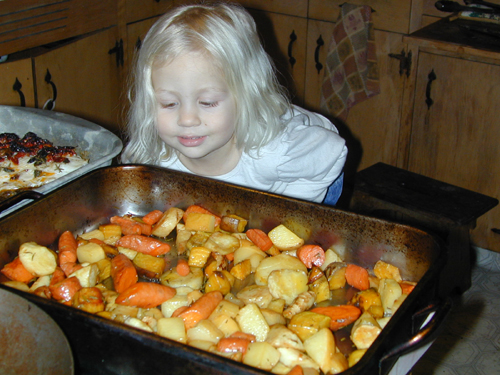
[
  {"x": 278, "y": 262},
  {"x": 172, "y": 328},
  {"x": 385, "y": 270},
  {"x": 389, "y": 291},
  {"x": 284, "y": 239},
  {"x": 281, "y": 337},
  {"x": 90, "y": 253},
  {"x": 364, "y": 331},
  {"x": 261, "y": 355},
  {"x": 287, "y": 284},
  {"x": 251, "y": 320},
  {"x": 37, "y": 259}
]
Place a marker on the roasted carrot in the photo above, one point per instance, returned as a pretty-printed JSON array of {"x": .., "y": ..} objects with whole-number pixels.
[
  {"x": 97, "y": 241},
  {"x": 123, "y": 273},
  {"x": 67, "y": 246},
  {"x": 201, "y": 309},
  {"x": 130, "y": 226},
  {"x": 243, "y": 335},
  {"x": 64, "y": 290},
  {"x": 341, "y": 315},
  {"x": 143, "y": 244},
  {"x": 296, "y": 370},
  {"x": 16, "y": 271},
  {"x": 69, "y": 268},
  {"x": 201, "y": 210},
  {"x": 43, "y": 291},
  {"x": 233, "y": 345},
  {"x": 179, "y": 311},
  {"x": 357, "y": 277},
  {"x": 230, "y": 257},
  {"x": 311, "y": 255},
  {"x": 58, "y": 276},
  {"x": 182, "y": 267},
  {"x": 152, "y": 217},
  {"x": 146, "y": 295},
  {"x": 406, "y": 288},
  {"x": 259, "y": 238}
]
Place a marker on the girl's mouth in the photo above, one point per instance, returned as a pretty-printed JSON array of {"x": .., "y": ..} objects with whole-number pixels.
[{"x": 191, "y": 141}]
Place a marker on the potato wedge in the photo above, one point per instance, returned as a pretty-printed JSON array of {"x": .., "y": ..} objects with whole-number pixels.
[
  {"x": 364, "y": 331},
  {"x": 251, "y": 320},
  {"x": 307, "y": 323},
  {"x": 321, "y": 348},
  {"x": 287, "y": 284},
  {"x": 88, "y": 275},
  {"x": 172, "y": 328},
  {"x": 222, "y": 243},
  {"x": 280, "y": 336},
  {"x": 205, "y": 330},
  {"x": 291, "y": 357},
  {"x": 261, "y": 355},
  {"x": 258, "y": 294},
  {"x": 278, "y": 262},
  {"x": 90, "y": 253},
  {"x": 284, "y": 239}
]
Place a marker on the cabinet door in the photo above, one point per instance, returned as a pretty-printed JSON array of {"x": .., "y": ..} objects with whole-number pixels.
[
  {"x": 16, "y": 83},
  {"x": 139, "y": 10},
  {"x": 284, "y": 39},
  {"x": 455, "y": 131},
  {"x": 135, "y": 35},
  {"x": 373, "y": 123},
  {"x": 87, "y": 79}
]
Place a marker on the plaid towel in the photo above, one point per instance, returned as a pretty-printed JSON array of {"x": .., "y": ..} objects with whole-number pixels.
[{"x": 351, "y": 73}]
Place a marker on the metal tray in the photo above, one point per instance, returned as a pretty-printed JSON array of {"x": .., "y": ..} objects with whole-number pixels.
[
  {"x": 103, "y": 347},
  {"x": 99, "y": 144}
]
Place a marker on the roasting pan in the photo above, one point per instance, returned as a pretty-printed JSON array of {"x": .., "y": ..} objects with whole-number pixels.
[{"x": 104, "y": 347}]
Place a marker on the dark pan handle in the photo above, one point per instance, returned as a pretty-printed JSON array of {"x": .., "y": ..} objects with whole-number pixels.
[
  {"x": 28, "y": 194},
  {"x": 425, "y": 335}
]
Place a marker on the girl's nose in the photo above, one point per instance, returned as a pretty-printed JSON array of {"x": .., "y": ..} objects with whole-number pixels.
[{"x": 188, "y": 116}]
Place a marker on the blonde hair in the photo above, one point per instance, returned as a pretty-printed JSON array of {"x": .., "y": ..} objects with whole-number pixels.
[{"x": 228, "y": 34}]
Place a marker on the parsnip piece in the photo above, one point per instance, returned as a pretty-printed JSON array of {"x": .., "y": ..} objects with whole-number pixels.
[
  {"x": 90, "y": 253},
  {"x": 321, "y": 348},
  {"x": 385, "y": 270},
  {"x": 37, "y": 259},
  {"x": 205, "y": 330},
  {"x": 197, "y": 239},
  {"x": 88, "y": 275},
  {"x": 167, "y": 222},
  {"x": 233, "y": 223},
  {"x": 278, "y": 262},
  {"x": 303, "y": 302},
  {"x": 251, "y": 320},
  {"x": 389, "y": 291},
  {"x": 222, "y": 243},
  {"x": 335, "y": 273},
  {"x": 261, "y": 355},
  {"x": 287, "y": 284},
  {"x": 330, "y": 257},
  {"x": 250, "y": 252},
  {"x": 136, "y": 323},
  {"x": 226, "y": 308},
  {"x": 291, "y": 357},
  {"x": 181, "y": 239},
  {"x": 200, "y": 222},
  {"x": 321, "y": 288},
  {"x": 173, "y": 329},
  {"x": 355, "y": 356},
  {"x": 41, "y": 281},
  {"x": 284, "y": 239},
  {"x": 307, "y": 323},
  {"x": 258, "y": 294},
  {"x": 169, "y": 306},
  {"x": 93, "y": 234},
  {"x": 272, "y": 317},
  {"x": 364, "y": 331},
  {"x": 281, "y": 337},
  {"x": 194, "y": 280}
]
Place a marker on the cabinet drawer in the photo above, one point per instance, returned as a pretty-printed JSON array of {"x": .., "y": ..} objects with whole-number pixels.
[
  {"x": 140, "y": 10},
  {"x": 290, "y": 7},
  {"x": 388, "y": 15}
]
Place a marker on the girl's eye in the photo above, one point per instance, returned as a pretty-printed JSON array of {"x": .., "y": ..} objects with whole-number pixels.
[
  {"x": 209, "y": 104},
  {"x": 168, "y": 105}
]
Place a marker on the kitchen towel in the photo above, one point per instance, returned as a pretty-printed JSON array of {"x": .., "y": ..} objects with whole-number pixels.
[{"x": 351, "y": 71}]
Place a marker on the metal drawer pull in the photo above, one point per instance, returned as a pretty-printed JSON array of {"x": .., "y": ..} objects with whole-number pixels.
[
  {"x": 319, "y": 44},
  {"x": 291, "y": 59},
  {"x": 51, "y": 103},
  {"x": 428, "y": 100},
  {"x": 17, "y": 87}
]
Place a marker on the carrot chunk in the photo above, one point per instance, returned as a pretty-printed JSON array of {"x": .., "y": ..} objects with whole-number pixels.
[
  {"x": 296, "y": 370},
  {"x": 152, "y": 217},
  {"x": 64, "y": 290},
  {"x": 201, "y": 309},
  {"x": 311, "y": 255},
  {"x": 16, "y": 271},
  {"x": 259, "y": 238},
  {"x": 357, "y": 277},
  {"x": 146, "y": 295},
  {"x": 232, "y": 345},
  {"x": 123, "y": 273},
  {"x": 341, "y": 315},
  {"x": 182, "y": 267},
  {"x": 143, "y": 244}
]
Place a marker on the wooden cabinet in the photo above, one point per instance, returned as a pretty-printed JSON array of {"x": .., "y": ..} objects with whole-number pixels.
[{"x": 16, "y": 83}]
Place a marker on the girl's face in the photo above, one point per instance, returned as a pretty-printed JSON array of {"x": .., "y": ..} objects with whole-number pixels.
[{"x": 196, "y": 114}]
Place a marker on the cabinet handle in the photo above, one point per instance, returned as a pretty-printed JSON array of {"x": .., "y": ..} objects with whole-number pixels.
[
  {"x": 138, "y": 44},
  {"x": 118, "y": 51},
  {"x": 319, "y": 44},
  {"x": 404, "y": 62},
  {"x": 291, "y": 59},
  {"x": 17, "y": 87},
  {"x": 51, "y": 103},
  {"x": 430, "y": 78}
]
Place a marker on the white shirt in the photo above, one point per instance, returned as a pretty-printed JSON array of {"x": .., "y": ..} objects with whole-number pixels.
[{"x": 302, "y": 162}]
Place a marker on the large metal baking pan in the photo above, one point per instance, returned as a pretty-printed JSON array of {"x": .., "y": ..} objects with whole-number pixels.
[
  {"x": 95, "y": 142},
  {"x": 105, "y": 347}
]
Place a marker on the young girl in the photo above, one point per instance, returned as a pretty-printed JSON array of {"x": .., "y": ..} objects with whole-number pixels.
[{"x": 205, "y": 100}]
